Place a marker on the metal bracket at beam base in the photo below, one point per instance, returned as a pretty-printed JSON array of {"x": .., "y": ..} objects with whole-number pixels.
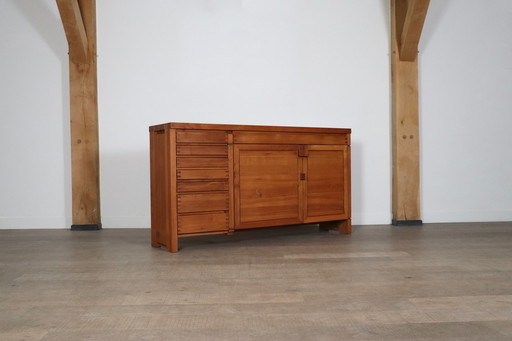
[
  {"x": 90, "y": 227},
  {"x": 407, "y": 222}
]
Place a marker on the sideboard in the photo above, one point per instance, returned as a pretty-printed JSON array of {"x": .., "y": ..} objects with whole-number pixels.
[{"x": 218, "y": 178}]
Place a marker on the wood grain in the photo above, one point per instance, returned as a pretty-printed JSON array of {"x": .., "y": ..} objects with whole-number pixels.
[
  {"x": 160, "y": 186},
  {"x": 255, "y": 137},
  {"x": 202, "y": 185},
  {"x": 75, "y": 30},
  {"x": 231, "y": 181},
  {"x": 202, "y": 150},
  {"x": 203, "y": 202},
  {"x": 255, "y": 178},
  {"x": 201, "y": 136},
  {"x": 202, "y": 162},
  {"x": 325, "y": 187},
  {"x": 172, "y": 243},
  {"x": 413, "y": 19},
  {"x": 84, "y": 127},
  {"x": 268, "y": 182},
  {"x": 405, "y": 125},
  {"x": 202, "y": 173},
  {"x": 205, "y": 222},
  {"x": 235, "y": 127}
]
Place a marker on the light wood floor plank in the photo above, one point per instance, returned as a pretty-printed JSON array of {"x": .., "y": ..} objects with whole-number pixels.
[{"x": 435, "y": 282}]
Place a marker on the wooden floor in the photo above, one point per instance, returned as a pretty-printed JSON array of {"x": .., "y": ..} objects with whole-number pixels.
[{"x": 436, "y": 282}]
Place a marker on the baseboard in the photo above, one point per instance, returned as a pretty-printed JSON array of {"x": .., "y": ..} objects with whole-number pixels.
[
  {"x": 112, "y": 222},
  {"x": 26, "y": 223},
  {"x": 466, "y": 216},
  {"x": 406, "y": 222},
  {"x": 382, "y": 218},
  {"x": 86, "y": 227}
]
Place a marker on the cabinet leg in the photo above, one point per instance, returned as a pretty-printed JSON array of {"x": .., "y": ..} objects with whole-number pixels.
[
  {"x": 343, "y": 226},
  {"x": 173, "y": 247},
  {"x": 173, "y": 242},
  {"x": 155, "y": 241}
]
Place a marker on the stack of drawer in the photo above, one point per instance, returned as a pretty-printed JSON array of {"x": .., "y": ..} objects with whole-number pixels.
[{"x": 202, "y": 174}]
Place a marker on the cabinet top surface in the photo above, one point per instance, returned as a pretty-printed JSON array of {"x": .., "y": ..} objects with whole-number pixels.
[{"x": 235, "y": 127}]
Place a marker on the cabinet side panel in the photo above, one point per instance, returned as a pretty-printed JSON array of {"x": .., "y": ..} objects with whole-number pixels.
[{"x": 159, "y": 164}]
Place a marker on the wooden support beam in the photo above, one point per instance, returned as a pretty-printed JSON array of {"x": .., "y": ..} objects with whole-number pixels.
[
  {"x": 405, "y": 118},
  {"x": 84, "y": 118},
  {"x": 411, "y": 27},
  {"x": 75, "y": 30}
]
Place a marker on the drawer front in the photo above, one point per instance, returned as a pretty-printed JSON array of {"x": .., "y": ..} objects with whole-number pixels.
[
  {"x": 289, "y": 138},
  {"x": 202, "y": 186},
  {"x": 202, "y": 150},
  {"x": 201, "y": 136},
  {"x": 198, "y": 174},
  {"x": 203, "y": 202},
  {"x": 198, "y": 223},
  {"x": 202, "y": 162}
]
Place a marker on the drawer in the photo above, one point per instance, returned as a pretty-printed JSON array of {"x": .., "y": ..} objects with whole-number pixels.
[
  {"x": 289, "y": 138},
  {"x": 198, "y": 223},
  {"x": 202, "y": 150},
  {"x": 198, "y": 174},
  {"x": 203, "y": 202},
  {"x": 201, "y": 136},
  {"x": 202, "y": 162},
  {"x": 202, "y": 186}
]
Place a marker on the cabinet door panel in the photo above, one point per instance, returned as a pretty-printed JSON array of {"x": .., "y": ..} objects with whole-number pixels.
[
  {"x": 328, "y": 182},
  {"x": 267, "y": 185}
]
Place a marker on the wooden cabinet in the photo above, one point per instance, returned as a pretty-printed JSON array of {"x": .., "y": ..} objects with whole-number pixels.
[{"x": 213, "y": 178}]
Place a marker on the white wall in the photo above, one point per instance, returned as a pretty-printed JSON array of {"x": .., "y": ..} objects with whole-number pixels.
[
  {"x": 466, "y": 111},
  {"x": 34, "y": 131},
  {"x": 287, "y": 62},
  {"x": 243, "y": 62}
]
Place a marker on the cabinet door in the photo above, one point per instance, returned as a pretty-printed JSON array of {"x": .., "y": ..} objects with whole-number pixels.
[
  {"x": 268, "y": 190},
  {"x": 327, "y": 190}
]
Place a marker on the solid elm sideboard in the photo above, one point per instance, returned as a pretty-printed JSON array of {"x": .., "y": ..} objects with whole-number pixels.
[{"x": 217, "y": 178}]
